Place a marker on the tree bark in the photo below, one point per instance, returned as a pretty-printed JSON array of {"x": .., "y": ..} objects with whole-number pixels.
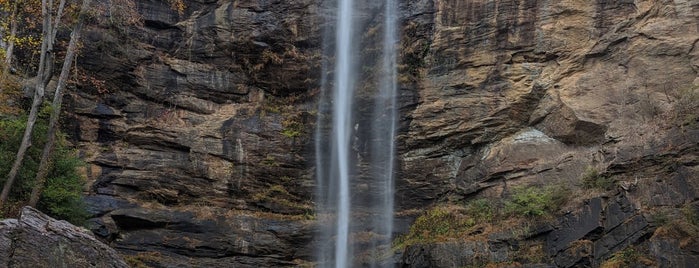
[
  {"x": 45, "y": 163},
  {"x": 46, "y": 46},
  {"x": 59, "y": 15},
  {"x": 11, "y": 40}
]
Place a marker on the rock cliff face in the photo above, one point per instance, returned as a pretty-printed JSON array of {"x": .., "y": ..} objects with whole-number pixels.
[{"x": 199, "y": 142}]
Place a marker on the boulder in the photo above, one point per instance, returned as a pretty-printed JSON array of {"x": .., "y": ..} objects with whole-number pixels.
[{"x": 37, "y": 240}]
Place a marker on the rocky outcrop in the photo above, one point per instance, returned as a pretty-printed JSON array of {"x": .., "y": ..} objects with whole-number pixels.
[
  {"x": 198, "y": 130},
  {"x": 583, "y": 74},
  {"x": 198, "y": 141},
  {"x": 36, "y": 240}
]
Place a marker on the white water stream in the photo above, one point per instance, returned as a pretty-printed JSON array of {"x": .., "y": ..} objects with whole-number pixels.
[
  {"x": 337, "y": 160},
  {"x": 342, "y": 128}
]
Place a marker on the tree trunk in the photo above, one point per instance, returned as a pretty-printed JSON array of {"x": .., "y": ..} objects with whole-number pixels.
[
  {"x": 11, "y": 40},
  {"x": 56, "y": 112},
  {"x": 46, "y": 45},
  {"x": 59, "y": 15}
]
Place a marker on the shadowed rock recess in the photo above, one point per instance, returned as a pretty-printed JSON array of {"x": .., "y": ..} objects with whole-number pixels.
[{"x": 200, "y": 152}]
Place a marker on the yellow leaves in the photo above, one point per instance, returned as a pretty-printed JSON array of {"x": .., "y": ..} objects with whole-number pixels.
[
  {"x": 177, "y": 5},
  {"x": 24, "y": 41},
  {"x": 6, "y": 5},
  {"x": 25, "y": 14}
]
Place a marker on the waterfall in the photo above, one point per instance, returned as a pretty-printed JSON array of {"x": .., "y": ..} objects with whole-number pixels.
[
  {"x": 384, "y": 125},
  {"x": 354, "y": 148},
  {"x": 342, "y": 96}
]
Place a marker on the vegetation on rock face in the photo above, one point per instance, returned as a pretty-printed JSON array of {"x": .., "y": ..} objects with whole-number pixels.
[
  {"x": 535, "y": 201},
  {"x": 592, "y": 179},
  {"x": 628, "y": 257},
  {"x": 62, "y": 196},
  {"x": 143, "y": 259},
  {"x": 684, "y": 227},
  {"x": 277, "y": 195},
  {"x": 480, "y": 210},
  {"x": 446, "y": 222},
  {"x": 59, "y": 200},
  {"x": 437, "y": 224},
  {"x": 686, "y": 106}
]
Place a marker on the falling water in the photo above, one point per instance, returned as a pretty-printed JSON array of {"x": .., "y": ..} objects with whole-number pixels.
[
  {"x": 384, "y": 126},
  {"x": 342, "y": 119},
  {"x": 348, "y": 139}
]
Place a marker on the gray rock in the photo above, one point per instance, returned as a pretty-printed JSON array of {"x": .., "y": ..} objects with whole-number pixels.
[
  {"x": 576, "y": 226},
  {"x": 37, "y": 240}
]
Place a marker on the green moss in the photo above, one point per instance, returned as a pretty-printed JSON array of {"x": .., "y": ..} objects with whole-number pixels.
[
  {"x": 269, "y": 161},
  {"x": 292, "y": 127},
  {"x": 291, "y": 133},
  {"x": 278, "y": 189}
]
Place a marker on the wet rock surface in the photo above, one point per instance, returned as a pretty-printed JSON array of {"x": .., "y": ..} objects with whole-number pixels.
[{"x": 200, "y": 144}]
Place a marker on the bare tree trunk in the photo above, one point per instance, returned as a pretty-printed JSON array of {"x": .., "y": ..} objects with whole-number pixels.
[
  {"x": 56, "y": 112},
  {"x": 59, "y": 15},
  {"x": 46, "y": 45},
  {"x": 11, "y": 40}
]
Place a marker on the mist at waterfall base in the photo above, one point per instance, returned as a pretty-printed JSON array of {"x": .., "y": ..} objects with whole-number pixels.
[{"x": 355, "y": 151}]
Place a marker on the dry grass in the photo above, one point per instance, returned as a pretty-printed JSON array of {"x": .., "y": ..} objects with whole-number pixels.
[
  {"x": 628, "y": 257},
  {"x": 680, "y": 229},
  {"x": 143, "y": 259}
]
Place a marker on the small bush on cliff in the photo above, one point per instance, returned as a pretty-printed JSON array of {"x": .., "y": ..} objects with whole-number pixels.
[
  {"x": 480, "y": 210},
  {"x": 446, "y": 222},
  {"x": 535, "y": 201},
  {"x": 691, "y": 213},
  {"x": 437, "y": 224},
  {"x": 592, "y": 179},
  {"x": 628, "y": 257},
  {"x": 686, "y": 106},
  {"x": 62, "y": 196}
]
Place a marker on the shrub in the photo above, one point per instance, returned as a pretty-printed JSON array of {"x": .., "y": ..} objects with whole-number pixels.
[
  {"x": 659, "y": 218},
  {"x": 62, "y": 195},
  {"x": 686, "y": 106},
  {"x": 11, "y": 131},
  {"x": 592, "y": 179},
  {"x": 534, "y": 201},
  {"x": 437, "y": 224},
  {"x": 480, "y": 210}
]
